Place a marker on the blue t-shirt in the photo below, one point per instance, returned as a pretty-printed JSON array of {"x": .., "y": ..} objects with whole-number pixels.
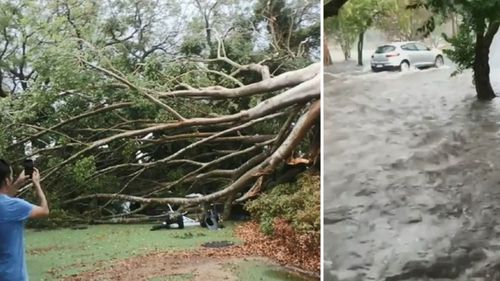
[{"x": 13, "y": 214}]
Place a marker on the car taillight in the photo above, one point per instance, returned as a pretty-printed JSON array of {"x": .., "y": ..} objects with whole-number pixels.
[{"x": 392, "y": 55}]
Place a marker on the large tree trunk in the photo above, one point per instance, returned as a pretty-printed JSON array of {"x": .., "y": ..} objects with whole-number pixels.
[
  {"x": 228, "y": 206},
  {"x": 360, "y": 48},
  {"x": 482, "y": 74},
  {"x": 481, "y": 65}
]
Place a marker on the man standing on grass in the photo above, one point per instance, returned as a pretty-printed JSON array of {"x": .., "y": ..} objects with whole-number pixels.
[{"x": 13, "y": 213}]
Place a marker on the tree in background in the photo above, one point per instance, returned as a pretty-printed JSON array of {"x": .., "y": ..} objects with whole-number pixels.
[
  {"x": 400, "y": 23},
  {"x": 364, "y": 14},
  {"x": 147, "y": 101},
  {"x": 285, "y": 21},
  {"x": 471, "y": 45},
  {"x": 343, "y": 31},
  {"x": 356, "y": 17},
  {"x": 390, "y": 16},
  {"x": 330, "y": 9}
]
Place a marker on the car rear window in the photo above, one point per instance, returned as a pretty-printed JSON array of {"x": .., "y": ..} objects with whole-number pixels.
[
  {"x": 409, "y": 47},
  {"x": 385, "y": 49}
]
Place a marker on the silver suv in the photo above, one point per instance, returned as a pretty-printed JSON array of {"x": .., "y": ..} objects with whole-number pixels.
[{"x": 402, "y": 55}]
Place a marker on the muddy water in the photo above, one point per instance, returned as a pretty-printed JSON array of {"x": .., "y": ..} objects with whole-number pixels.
[{"x": 412, "y": 175}]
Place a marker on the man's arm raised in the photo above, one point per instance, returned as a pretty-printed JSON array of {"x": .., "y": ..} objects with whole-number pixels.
[
  {"x": 43, "y": 209},
  {"x": 20, "y": 181}
]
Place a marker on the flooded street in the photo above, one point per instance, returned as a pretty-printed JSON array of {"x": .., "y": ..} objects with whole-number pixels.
[{"x": 412, "y": 175}]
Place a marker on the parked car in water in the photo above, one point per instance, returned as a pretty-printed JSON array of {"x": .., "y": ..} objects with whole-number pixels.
[{"x": 402, "y": 55}]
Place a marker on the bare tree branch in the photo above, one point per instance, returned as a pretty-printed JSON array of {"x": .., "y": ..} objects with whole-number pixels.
[{"x": 289, "y": 79}]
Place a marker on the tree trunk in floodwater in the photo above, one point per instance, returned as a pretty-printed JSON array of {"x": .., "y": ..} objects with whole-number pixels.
[
  {"x": 481, "y": 65},
  {"x": 482, "y": 76},
  {"x": 360, "y": 48},
  {"x": 346, "y": 55},
  {"x": 327, "y": 59}
]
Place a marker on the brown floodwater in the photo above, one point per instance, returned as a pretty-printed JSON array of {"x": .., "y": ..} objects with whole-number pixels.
[{"x": 412, "y": 175}]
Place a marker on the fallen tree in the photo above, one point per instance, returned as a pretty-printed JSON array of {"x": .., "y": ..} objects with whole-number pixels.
[
  {"x": 293, "y": 103},
  {"x": 118, "y": 110}
]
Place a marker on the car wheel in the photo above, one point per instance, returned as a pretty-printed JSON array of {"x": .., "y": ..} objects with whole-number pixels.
[
  {"x": 404, "y": 66},
  {"x": 439, "y": 62}
]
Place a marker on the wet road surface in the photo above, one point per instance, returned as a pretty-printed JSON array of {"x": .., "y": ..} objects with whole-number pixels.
[{"x": 412, "y": 175}]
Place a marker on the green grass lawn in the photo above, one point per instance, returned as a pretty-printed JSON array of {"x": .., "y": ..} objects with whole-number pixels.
[
  {"x": 67, "y": 251},
  {"x": 63, "y": 252}
]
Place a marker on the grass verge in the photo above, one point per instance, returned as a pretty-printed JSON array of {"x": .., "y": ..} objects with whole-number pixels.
[{"x": 52, "y": 254}]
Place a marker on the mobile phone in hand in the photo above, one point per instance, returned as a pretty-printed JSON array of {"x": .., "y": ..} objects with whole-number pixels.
[{"x": 28, "y": 167}]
